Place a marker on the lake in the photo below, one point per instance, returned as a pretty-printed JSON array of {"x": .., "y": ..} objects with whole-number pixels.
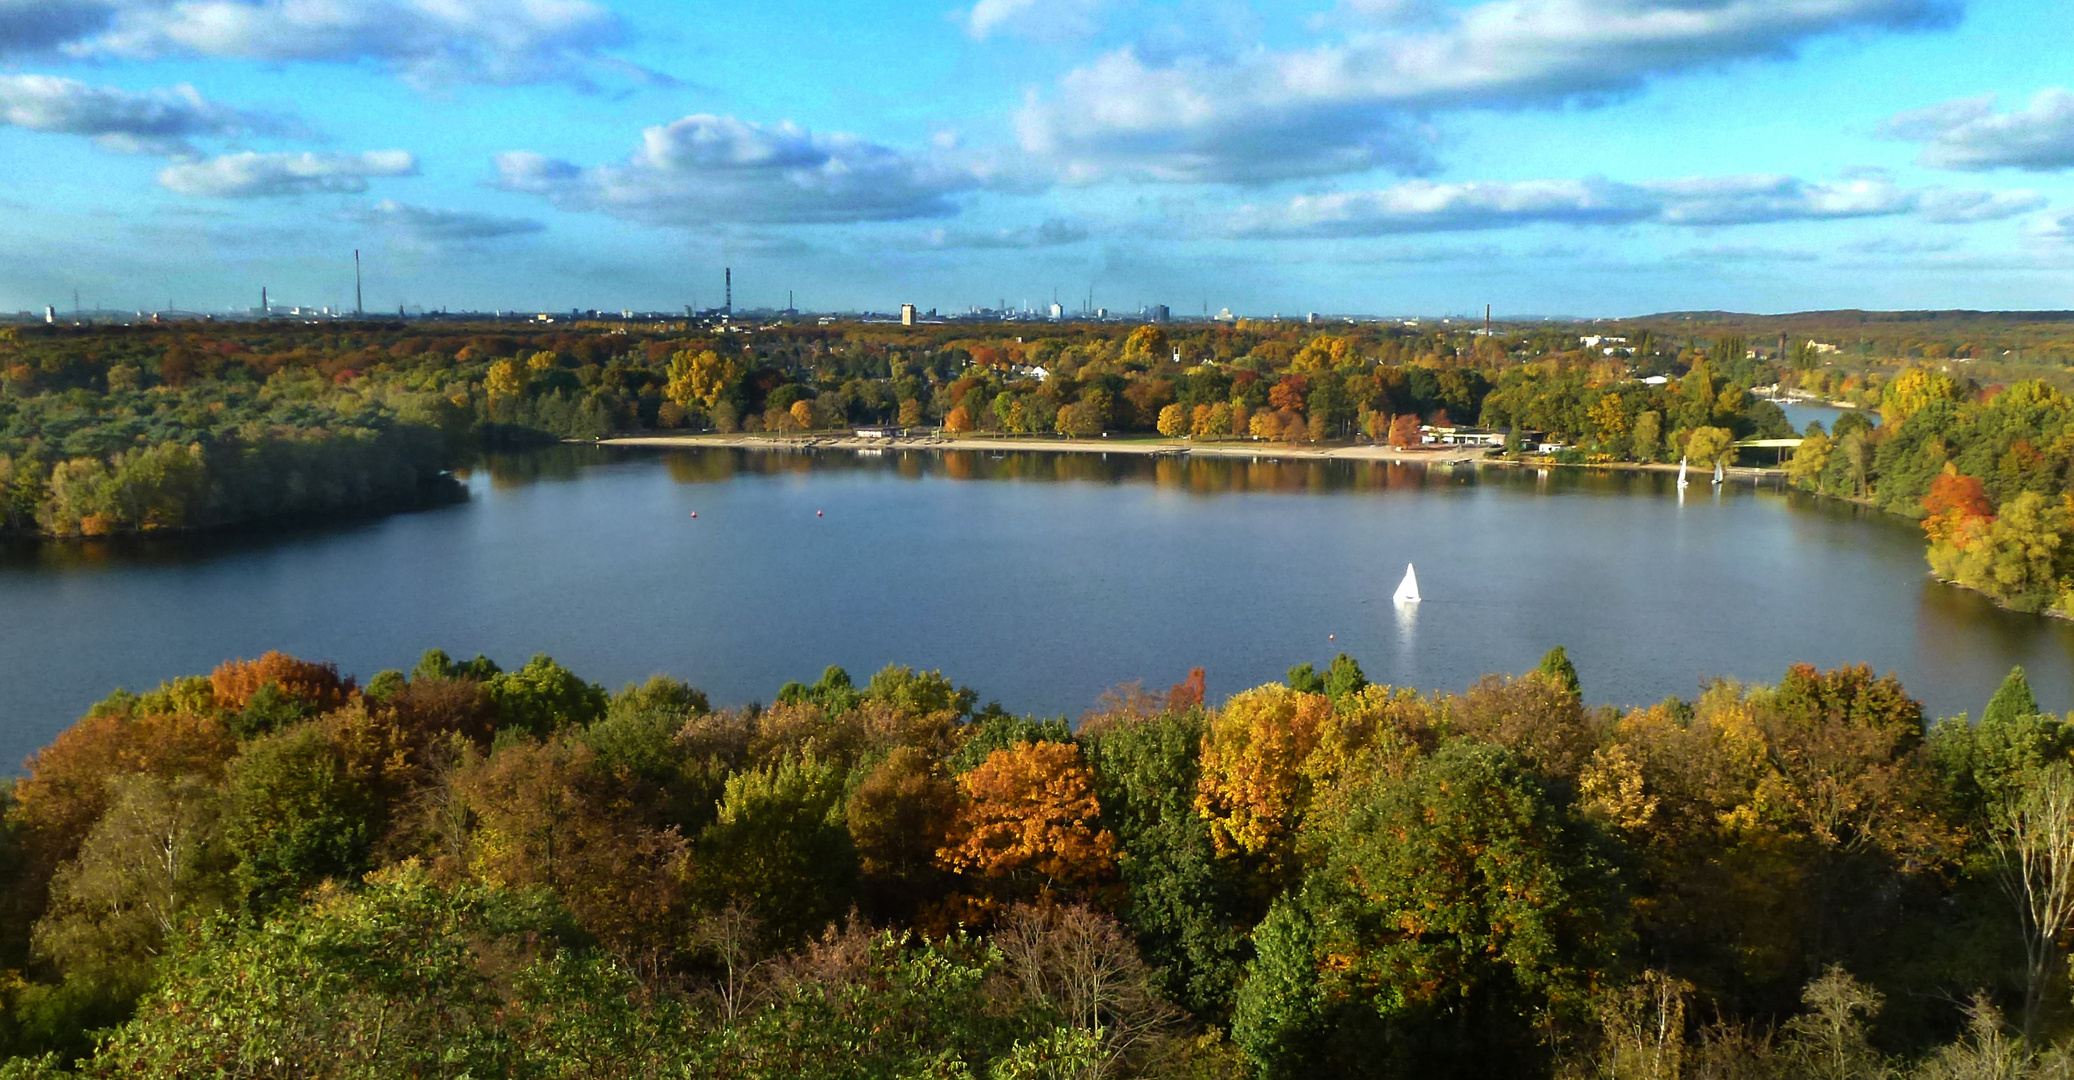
[{"x": 1038, "y": 579}]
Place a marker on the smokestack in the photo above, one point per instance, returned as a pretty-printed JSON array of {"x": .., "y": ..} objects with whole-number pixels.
[
  {"x": 264, "y": 310},
  {"x": 359, "y": 308},
  {"x": 730, "y": 307},
  {"x": 1487, "y": 320}
]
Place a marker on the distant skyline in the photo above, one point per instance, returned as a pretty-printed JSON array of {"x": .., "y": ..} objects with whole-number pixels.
[{"x": 1547, "y": 157}]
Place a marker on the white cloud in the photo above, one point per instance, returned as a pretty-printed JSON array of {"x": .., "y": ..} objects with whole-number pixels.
[
  {"x": 1042, "y": 20},
  {"x": 429, "y": 42},
  {"x": 1968, "y": 134},
  {"x": 1751, "y": 200},
  {"x": 425, "y": 225},
  {"x": 1420, "y": 206},
  {"x": 156, "y": 122},
  {"x": 1962, "y": 207},
  {"x": 706, "y": 170},
  {"x": 1356, "y": 104},
  {"x": 250, "y": 175}
]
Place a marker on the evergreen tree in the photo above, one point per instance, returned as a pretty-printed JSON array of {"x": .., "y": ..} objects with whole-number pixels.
[
  {"x": 1556, "y": 665},
  {"x": 2012, "y": 700}
]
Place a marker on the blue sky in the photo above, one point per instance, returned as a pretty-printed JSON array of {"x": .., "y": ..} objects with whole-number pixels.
[{"x": 1560, "y": 157}]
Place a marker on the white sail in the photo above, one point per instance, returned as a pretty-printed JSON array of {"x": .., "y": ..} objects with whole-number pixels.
[
  {"x": 1681, "y": 472},
  {"x": 1717, "y": 472},
  {"x": 1408, "y": 589}
]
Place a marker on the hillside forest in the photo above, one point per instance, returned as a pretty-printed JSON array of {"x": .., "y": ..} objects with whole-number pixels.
[{"x": 275, "y": 870}]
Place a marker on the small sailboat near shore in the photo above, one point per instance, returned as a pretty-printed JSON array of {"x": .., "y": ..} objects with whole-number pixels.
[
  {"x": 1681, "y": 474},
  {"x": 1717, "y": 474},
  {"x": 1408, "y": 589}
]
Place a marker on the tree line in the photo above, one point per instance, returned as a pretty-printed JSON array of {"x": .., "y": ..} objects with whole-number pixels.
[{"x": 275, "y": 870}]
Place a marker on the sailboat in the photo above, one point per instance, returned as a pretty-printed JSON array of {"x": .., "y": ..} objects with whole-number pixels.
[
  {"x": 1408, "y": 589},
  {"x": 1717, "y": 474},
  {"x": 1681, "y": 474}
]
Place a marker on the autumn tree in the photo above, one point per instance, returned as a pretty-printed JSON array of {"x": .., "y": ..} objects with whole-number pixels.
[
  {"x": 1709, "y": 445},
  {"x": 545, "y": 815},
  {"x": 899, "y": 816},
  {"x": 700, "y": 378},
  {"x": 1029, "y": 824}
]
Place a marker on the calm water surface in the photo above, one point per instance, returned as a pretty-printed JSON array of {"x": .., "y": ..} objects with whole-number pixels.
[{"x": 1039, "y": 580}]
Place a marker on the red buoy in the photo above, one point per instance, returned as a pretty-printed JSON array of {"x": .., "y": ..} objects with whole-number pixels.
[
  {"x": 817, "y": 513},
  {"x": 694, "y": 513}
]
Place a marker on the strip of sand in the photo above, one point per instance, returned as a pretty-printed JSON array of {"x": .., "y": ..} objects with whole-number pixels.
[{"x": 1139, "y": 447}]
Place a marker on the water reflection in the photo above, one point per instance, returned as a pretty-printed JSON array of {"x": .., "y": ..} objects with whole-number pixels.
[{"x": 1199, "y": 475}]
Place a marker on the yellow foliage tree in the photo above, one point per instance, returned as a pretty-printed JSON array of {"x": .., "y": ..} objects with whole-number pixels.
[
  {"x": 1709, "y": 445},
  {"x": 1173, "y": 421},
  {"x": 1911, "y": 391},
  {"x": 700, "y": 378},
  {"x": 504, "y": 380}
]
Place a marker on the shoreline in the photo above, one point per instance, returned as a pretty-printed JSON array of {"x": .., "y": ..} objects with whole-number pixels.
[{"x": 1142, "y": 448}]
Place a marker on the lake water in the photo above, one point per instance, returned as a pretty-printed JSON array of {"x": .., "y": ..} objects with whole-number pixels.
[
  {"x": 1040, "y": 580},
  {"x": 1800, "y": 414}
]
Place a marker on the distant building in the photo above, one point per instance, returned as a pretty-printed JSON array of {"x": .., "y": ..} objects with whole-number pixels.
[
  {"x": 1461, "y": 436},
  {"x": 1057, "y": 312},
  {"x": 50, "y": 314},
  {"x": 1311, "y": 318},
  {"x": 1156, "y": 313},
  {"x": 907, "y": 314}
]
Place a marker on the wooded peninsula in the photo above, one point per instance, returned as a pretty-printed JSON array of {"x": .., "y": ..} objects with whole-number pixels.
[{"x": 275, "y": 870}]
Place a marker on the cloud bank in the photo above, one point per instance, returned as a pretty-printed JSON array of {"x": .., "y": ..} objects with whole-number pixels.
[
  {"x": 429, "y": 42},
  {"x": 706, "y": 170},
  {"x": 1420, "y": 206},
  {"x": 255, "y": 176},
  {"x": 156, "y": 122},
  {"x": 1968, "y": 133},
  {"x": 1353, "y": 105}
]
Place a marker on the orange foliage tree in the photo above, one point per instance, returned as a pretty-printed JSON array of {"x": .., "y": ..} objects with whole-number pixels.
[
  {"x": 1029, "y": 822},
  {"x": 1954, "y": 499},
  {"x": 307, "y": 681}
]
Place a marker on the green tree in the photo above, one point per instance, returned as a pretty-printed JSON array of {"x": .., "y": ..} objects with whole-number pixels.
[
  {"x": 297, "y": 816},
  {"x": 544, "y": 697},
  {"x": 2012, "y": 700},
  {"x": 1463, "y": 890},
  {"x": 781, "y": 849},
  {"x": 1182, "y": 904},
  {"x": 1280, "y": 1015},
  {"x": 1556, "y": 667}
]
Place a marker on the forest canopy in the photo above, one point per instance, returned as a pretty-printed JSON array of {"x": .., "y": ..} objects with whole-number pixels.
[{"x": 277, "y": 869}]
